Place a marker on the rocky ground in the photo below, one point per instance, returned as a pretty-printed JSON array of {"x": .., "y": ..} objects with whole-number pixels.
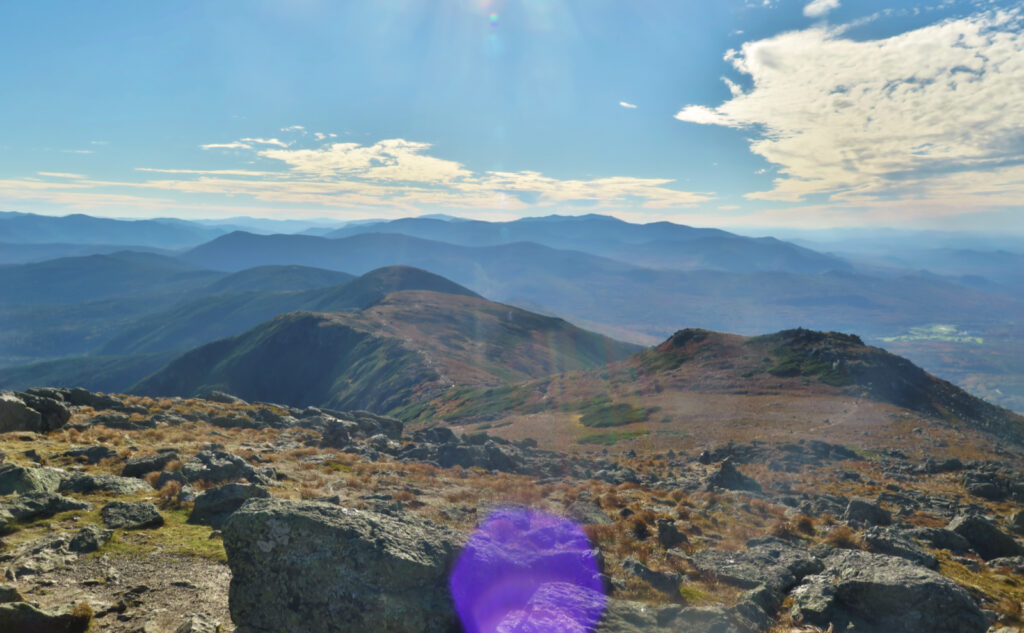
[{"x": 133, "y": 514}]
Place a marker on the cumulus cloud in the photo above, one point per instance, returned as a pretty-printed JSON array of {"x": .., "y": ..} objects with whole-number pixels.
[
  {"x": 818, "y": 8},
  {"x": 386, "y": 177},
  {"x": 900, "y": 117},
  {"x": 626, "y": 104}
]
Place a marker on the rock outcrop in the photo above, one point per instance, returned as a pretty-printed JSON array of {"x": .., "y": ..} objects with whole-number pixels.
[
  {"x": 872, "y": 593},
  {"x": 28, "y": 412},
  {"x": 311, "y": 567}
]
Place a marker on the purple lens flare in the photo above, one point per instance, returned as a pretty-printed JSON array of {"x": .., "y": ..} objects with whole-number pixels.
[{"x": 524, "y": 571}]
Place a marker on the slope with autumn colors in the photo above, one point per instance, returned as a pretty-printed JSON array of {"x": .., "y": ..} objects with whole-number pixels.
[
  {"x": 405, "y": 348},
  {"x": 701, "y": 388}
]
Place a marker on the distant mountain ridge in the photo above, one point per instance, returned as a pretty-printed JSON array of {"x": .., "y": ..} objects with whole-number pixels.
[
  {"x": 403, "y": 349},
  {"x": 28, "y": 228},
  {"x": 658, "y": 244}
]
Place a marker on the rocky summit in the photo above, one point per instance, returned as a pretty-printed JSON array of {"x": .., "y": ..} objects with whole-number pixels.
[{"x": 135, "y": 514}]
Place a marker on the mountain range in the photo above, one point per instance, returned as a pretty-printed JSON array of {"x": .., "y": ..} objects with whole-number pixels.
[{"x": 637, "y": 283}]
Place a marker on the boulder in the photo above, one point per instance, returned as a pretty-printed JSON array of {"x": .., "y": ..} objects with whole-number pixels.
[
  {"x": 873, "y": 593},
  {"x": 217, "y": 466},
  {"x": 101, "y": 482},
  {"x": 213, "y": 506},
  {"x": 15, "y": 415},
  {"x": 985, "y": 537},
  {"x": 940, "y": 538},
  {"x": 892, "y": 542},
  {"x": 90, "y": 454},
  {"x": 34, "y": 505},
  {"x": 729, "y": 478},
  {"x": 587, "y": 512},
  {"x": 771, "y": 562},
  {"x": 668, "y": 533},
  {"x": 665, "y": 582},
  {"x": 10, "y": 593},
  {"x": 53, "y": 412},
  {"x": 38, "y": 556},
  {"x": 865, "y": 512},
  {"x": 18, "y": 479},
  {"x": 82, "y": 398},
  {"x": 136, "y": 515},
  {"x": 89, "y": 539},
  {"x": 139, "y": 466},
  {"x": 311, "y": 567},
  {"x": 21, "y": 617},
  {"x": 27, "y": 412}
]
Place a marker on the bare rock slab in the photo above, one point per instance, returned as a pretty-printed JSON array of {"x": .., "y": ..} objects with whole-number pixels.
[
  {"x": 132, "y": 516},
  {"x": 311, "y": 567},
  {"x": 874, "y": 593},
  {"x": 22, "y": 617}
]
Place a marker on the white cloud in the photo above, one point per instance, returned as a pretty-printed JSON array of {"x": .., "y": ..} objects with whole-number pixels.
[
  {"x": 626, "y": 104},
  {"x": 818, "y": 8},
  {"x": 78, "y": 151},
  {"x": 392, "y": 159},
  {"x": 265, "y": 141},
  {"x": 901, "y": 117},
  {"x": 60, "y": 174},
  {"x": 208, "y": 172},
  {"x": 235, "y": 145},
  {"x": 294, "y": 128}
]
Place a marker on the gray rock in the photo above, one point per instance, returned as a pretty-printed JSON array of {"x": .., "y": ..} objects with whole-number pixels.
[
  {"x": 773, "y": 563},
  {"x": 199, "y": 624},
  {"x": 90, "y": 454},
  {"x": 121, "y": 422},
  {"x": 135, "y": 515},
  {"x": 82, "y": 398},
  {"x": 729, "y": 478},
  {"x": 222, "y": 397},
  {"x": 892, "y": 542},
  {"x": 940, "y": 538},
  {"x": 864, "y": 512},
  {"x": 34, "y": 505},
  {"x": 985, "y": 537},
  {"x": 21, "y": 617},
  {"x": 213, "y": 506},
  {"x": 668, "y": 534},
  {"x": 9, "y": 593},
  {"x": 37, "y": 557},
  {"x": 873, "y": 593},
  {"x": 27, "y": 412},
  {"x": 665, "y": 582},
  {"x": 101, "y": 482},
  {"x": 309, "y": 567},
  {"x": 18, "y": 479},
  {"x": 15, "y": 415},
  {"x": 587, "y": 512},
  {"x": 1015, "y": 563},
  {"x": 217, "y": 466},
  {"x": 89, "y": 539},
  {"x": 1016, "y": 523},
  {"x": 140, "y": 466}
]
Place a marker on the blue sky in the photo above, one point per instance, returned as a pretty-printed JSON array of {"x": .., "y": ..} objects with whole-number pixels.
[{"x": 818, "y": 113}]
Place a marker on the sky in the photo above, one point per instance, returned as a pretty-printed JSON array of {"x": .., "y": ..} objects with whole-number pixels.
[{"x": 735, "y": 113}]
